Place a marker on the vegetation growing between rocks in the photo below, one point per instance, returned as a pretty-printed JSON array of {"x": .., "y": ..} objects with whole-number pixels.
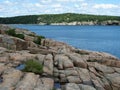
[
  {"x": 33, "y": 66},
  {"x": 12, "y": 32},
  {"x": 38, "y": 39}
]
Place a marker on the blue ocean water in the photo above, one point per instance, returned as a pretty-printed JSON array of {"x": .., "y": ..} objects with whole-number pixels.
[{"x": 96, "y": 38}]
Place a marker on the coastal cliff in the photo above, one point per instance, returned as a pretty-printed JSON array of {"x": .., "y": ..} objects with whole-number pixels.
[{"x": 64, "y": 67}]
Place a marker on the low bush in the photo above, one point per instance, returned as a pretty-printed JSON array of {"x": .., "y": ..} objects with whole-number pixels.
[
  {"x": 20, "y": 36},
  {"x": 33, "y": 66},
  {"x": 38, "y": 39},
  {"x": 12, "y": 32}
]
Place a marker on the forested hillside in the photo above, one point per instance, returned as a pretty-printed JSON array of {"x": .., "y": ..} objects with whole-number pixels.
[{"x": 59, "y": 18}]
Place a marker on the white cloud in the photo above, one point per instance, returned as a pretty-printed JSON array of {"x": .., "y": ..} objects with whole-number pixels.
[
  {"x": 29, "y": 7},
  {"x": 46, "y": 1},
  {"x": 57, "y": 6},
  {"x": 70, "y": 0},
  {"x": 105, "y": 6}
]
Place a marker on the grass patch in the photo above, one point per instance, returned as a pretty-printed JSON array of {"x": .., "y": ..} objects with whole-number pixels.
[{"x": 33, "y": 66}]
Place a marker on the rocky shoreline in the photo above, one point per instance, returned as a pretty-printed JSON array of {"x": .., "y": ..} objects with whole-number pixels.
[
  {"x": 109, "y": 22},
  {"x": 64, "y": 67}
]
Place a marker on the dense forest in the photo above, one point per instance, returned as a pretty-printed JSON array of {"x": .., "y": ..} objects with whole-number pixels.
[{"x": 57, "y": 18}]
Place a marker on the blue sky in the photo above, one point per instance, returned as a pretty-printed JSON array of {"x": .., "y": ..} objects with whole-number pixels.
[{"x": 10, "y": 8}]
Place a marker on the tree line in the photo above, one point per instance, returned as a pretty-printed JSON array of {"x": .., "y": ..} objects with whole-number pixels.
[{"x": 56, "y": 18}]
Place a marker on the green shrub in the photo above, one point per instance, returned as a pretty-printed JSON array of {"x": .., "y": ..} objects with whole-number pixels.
[
  {"x": 20, "y": 36},
  {"x": 33, "y": 66},
  {"x": 33, "y": 35},
  {"x": 11, "y": 32},
  {"x": 38, "y": 39}
]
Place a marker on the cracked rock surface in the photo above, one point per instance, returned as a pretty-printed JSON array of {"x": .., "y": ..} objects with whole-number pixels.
[{"x": 72, "y": 69}]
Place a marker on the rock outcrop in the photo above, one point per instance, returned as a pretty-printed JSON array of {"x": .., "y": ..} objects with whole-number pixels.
[
  {"x": 69, "y": 68},
  {"x": 107, "y": 22}
]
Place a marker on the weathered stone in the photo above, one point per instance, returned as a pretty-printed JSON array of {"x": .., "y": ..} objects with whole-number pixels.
[
  {"x": 114, "y": 79},
  {"x": 31, "y": 44},
  {"x": 59, "y": 61},
  {"x": 2, "y": 68},
  {"x": 72, "y": 86},
  {"x": 62, "y": 76},
  {"x": 56, "y": 75},
  {"x": 67, "y": 63},
  {"x": 55, "y": 70},
  {"x": 16, "y": 57},
  {"x": 41, "y": 86},
  {"x": 117, "y": 70},
  {"x": 6, "y": 88},
  {"x": 48, "y": 82},
  {"x": 28, "y": 38},
  {"x": 97, "y": 85},
  {"x": 74, "y": 79},
  {"x": 105, "y": 83},
  {"x": 40, "y": 58},
  {"x": 71, "y": 72},
  {"x": 48, "y": 64},
  {"x": 58, "y": 46},
  {"x": 10, "y": 78},
  {"x": 78, "y": 61},
  {"x": 103, "y": 68},
  {"x": 96, "y": 82},
  {"x": 4, "y": 59},
  {"x": 63, "y": 62},
  {"x": 2, "y": 50},
  {"x": 12, "y": 42},
  {"x": 92, "y": 69},
  {"x": 85, "y": 76},
  {"x": 86, "y": 87},
  {"x": 28, "y": 82}
]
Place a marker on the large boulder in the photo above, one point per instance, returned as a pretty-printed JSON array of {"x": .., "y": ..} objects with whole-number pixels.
[
  {"x": 78, "y": 61},
  {"x": 12, "y": 43},
  {"x": 103, "y": 68},
  {"x": 63, "y": 62},
  {"x": 74, "y": 79},
  {"x": 48, "y": 64},
  {"x": 85, "y": 76},
  {"x": 28, "y": 82},
  {"x": 10, "y": 78},
  {"x": 48, "y": 82},
  {"x": 114, "y": 80},
  {"x": 86, "y": 87},
  {"x": 71, "y": 86}
]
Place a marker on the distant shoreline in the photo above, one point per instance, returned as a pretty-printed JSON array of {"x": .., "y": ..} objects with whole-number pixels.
[{"x": 62, "y": 19}]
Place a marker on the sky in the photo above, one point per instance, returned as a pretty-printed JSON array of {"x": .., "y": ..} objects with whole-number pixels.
[{"x": 10, "y": 8}]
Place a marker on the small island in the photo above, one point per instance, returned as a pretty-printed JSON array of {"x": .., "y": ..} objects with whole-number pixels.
[{"x": 32, "y": 62}]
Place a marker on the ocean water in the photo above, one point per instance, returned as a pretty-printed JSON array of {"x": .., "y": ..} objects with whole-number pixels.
[{"x": 96, "y": 38}]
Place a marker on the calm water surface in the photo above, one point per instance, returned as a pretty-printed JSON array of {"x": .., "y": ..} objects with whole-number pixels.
[{"x": 97, "y": 38}]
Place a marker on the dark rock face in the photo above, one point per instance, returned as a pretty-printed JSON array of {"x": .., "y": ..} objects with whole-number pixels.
[
  {"x": 72, "y": 69},
  {"x": 12, "y": 43}
]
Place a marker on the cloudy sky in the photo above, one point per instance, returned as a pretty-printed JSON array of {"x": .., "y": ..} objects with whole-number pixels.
[{"x": 10, "y": 8}]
